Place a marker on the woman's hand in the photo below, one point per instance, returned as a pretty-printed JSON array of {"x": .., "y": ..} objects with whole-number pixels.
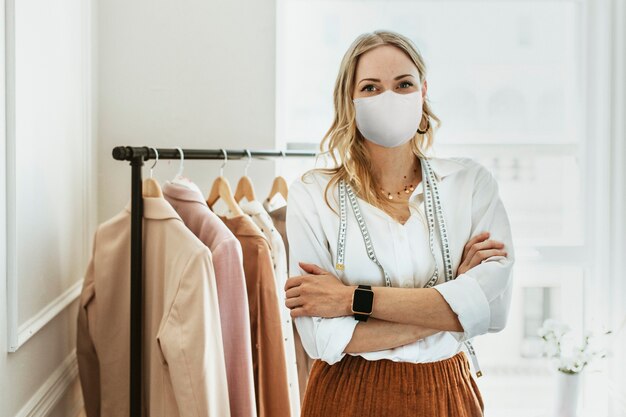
[
  {"x": 477, "y": 250},
  {"x": 319, "y": 294}
]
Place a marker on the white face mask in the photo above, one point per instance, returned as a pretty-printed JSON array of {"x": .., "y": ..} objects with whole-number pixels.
[{"x": 389, "y": 119}]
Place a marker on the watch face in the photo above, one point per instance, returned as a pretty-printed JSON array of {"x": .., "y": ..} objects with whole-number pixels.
[{"x": 363, "y": 300}]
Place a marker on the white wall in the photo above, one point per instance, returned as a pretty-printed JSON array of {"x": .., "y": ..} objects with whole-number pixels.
[
  {"x": 48, "y": 206},
  {"x": 194, "y": 74}
]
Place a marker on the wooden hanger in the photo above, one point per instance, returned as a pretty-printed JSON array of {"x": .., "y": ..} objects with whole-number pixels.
[
  {"x": 279, "y": 186},
  {"x": 221, "y": 189},
  {"x": 244, "y": 186},
  {"x": 244, "y": 189},
  {"x": 150, "y": 187}
]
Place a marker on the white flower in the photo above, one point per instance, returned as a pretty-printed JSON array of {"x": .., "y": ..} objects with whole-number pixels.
[
  {"x": 561, "y": 330},
  {"x": 551, "y": 348},
  {"x": 553, "y": 328},
  {"x": 567, "y": 355}
]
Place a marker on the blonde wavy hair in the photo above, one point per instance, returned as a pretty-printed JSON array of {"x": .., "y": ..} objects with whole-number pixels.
[{"x": 344, "y": 142}]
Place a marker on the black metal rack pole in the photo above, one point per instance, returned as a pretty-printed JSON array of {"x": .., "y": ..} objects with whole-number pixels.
[
  {"x": 136, "y": 286},
  {"x": 136, "y": 156},
  {"x": 126, "y": 153}
]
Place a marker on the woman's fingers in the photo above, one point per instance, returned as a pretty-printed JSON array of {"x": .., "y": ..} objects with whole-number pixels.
[
  {"x": 478, "y": 246},
  {"x": 294, "y": 282},
  {"x": 481, "y": 255},
  {"x": 486, "y": 245},
  {"x": 489, "y": 244},
  {"x": 297, "y": 281},
  {"x": 311, "y": 268},
  {"x": 478, "y": 249},
  {"x": 478, "y": 238},
  {"x": 477, "y": 258},
  {"x": 297, "y": 312},
  {"x": 293, "y": 292},
  {"x": 468, "y": 252},
  {"x": 293, "y": 302}
]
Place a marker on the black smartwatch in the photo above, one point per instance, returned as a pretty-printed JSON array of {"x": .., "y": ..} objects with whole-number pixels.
[{"x": 362, "y": 302}]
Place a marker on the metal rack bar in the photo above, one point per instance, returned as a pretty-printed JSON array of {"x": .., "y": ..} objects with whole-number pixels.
[
  {"x": 126, "y": 153},
  {"x": 136, "y": 156}
]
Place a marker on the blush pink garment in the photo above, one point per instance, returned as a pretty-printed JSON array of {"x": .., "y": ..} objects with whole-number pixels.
[{"x": 231, "y": 289}]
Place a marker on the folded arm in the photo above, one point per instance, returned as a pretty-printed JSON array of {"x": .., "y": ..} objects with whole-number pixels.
[
  {"x": 374, "y": 335},
  {"x": 478, "y": 300}
]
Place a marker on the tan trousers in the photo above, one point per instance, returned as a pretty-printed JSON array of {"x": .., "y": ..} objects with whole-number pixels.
[{"x": 356, "y": 387}]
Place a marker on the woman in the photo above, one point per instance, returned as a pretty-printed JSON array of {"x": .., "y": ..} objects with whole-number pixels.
[{"x": 400, "y": 223}]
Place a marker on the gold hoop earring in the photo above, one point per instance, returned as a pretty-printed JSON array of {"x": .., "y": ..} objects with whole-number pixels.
[{"x": 421, "y": 132}]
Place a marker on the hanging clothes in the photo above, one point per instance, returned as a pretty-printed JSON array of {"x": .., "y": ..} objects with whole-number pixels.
[
  {"x": 262, "y": 219},
  {"x": 268, "y": 352},
  {"x": 277, "y": 209},
  {"x": 183, "y": 357},
  {"x": 231, "y": 289}
]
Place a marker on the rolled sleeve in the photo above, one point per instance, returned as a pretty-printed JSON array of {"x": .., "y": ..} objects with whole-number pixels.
[
  {"x": 326, "y": 338},
  {"x": 322, "y": 338},
  {"x": 481, "y": 297},
  {"x": 467, "y": 299}
]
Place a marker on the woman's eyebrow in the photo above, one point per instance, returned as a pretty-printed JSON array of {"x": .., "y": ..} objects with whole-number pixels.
[{"x": 377, "y": 80}]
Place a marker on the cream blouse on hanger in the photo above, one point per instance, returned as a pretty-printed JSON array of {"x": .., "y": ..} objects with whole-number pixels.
[{"x": 481, "y": 297}]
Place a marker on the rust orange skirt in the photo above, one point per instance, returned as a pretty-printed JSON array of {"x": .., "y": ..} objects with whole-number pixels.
[{"x": 356, "y": 387}]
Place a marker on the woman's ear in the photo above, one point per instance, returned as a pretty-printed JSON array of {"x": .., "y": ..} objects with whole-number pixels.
[{"x": 424, "y": 88}]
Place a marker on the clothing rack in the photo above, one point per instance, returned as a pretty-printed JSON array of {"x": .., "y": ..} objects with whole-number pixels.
[{"x": 136, "y": 156}]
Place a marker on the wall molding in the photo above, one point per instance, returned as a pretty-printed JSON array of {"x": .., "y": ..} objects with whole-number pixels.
[
  {"x": 46, "y": 314},
  {"x": 605, "y": 153},
  {"x": 52, "y": 390},
  {"x": 18, "y": 333},
  {"x": 617, "y": 383}
]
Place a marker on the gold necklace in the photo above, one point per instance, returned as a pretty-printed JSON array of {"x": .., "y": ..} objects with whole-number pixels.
[{"x": 407, "y": 189}]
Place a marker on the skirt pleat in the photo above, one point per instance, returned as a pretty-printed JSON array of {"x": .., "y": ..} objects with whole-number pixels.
[{"x": 356, "y": 387}]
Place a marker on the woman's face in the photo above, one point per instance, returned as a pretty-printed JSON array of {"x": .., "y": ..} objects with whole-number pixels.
[{"x": 383, "y": 68}]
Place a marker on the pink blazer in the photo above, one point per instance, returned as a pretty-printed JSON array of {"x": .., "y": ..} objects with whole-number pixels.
[{"x": 231, "y": 290}]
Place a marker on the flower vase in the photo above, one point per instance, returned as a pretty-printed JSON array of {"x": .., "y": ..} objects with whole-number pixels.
[{"x": 568, "y": 391}]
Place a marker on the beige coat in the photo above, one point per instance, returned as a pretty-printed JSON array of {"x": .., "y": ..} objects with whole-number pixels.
[{"x": 183, "y": 359}]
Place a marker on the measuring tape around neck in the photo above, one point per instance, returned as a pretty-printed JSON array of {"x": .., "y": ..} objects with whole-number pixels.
[{"x": 431, "y": 194}]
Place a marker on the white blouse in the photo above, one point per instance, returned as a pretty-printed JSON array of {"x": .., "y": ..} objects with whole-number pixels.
[{"x": 481, "y": 297}]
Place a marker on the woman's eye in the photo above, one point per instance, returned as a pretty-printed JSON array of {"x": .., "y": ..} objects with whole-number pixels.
[
  {"x": 408, "y": 83},
  {"x": 368, "y": 87}
]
